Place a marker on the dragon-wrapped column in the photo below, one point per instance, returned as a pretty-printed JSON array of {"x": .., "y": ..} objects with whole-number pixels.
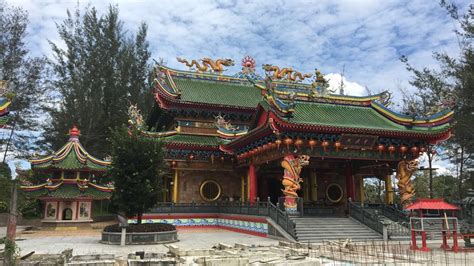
[{"x": 291, "y": 179}]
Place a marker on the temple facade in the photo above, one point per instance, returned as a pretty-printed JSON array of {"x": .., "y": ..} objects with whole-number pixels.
[
  {"x": 245, "y": 138},
  {"x": 72, "y": 182}
]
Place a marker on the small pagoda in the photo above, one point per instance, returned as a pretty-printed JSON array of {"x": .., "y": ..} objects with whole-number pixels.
[{"x": 72, "y": 185}]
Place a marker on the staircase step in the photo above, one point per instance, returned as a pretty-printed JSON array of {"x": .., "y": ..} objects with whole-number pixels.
[{"x": 317, "y": 229}]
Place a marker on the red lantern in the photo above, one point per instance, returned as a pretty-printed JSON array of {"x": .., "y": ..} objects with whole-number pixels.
[
  {"x": 433, "y": 152},
  {"x": 312, "y": 143},
  {"x": 391, "y": 149},
  {"x": 337, "y": 145},
  {"x": 191, "y": 156},
  {"x": 403, "y": 149},
  {"x": 288, "y": 142},
  {"x": 298, "y": 143},
  {"x": 415, "y": 150},
  {"x": 325, "y": 144},
  {"x": 278, "y": 143},
  {"x": 173, "y": 163},
  {"x": 380, "y": 148},
  {"x": 265, "y": 147},
  {"x": 222, "y": 158}
]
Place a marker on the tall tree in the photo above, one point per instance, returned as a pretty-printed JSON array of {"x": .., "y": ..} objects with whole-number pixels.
[
  {"x": 137, "y": 169},
  {"x": 99, "y": 72},
  {"x": 451, "y": 85},
  {"x": 24, "y": 74}
]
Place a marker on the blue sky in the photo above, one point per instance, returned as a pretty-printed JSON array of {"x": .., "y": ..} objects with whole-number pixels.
[{"x": 366, "y": 38}]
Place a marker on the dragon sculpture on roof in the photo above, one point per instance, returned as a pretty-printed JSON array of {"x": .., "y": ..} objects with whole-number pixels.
[
  {"x": 286, "y": 73},
  {"x": 207, "y": 64}
]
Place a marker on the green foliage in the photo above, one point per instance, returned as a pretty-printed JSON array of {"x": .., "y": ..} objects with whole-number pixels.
[
  {"x": 3, "y": 207},
  {"x": 12, "y": 251},
  {"x": 99, "y": 72},
  {"x": 451, "y": 86},
  {"x": 25, "y": 76},
  {"x": 137, "y": 170},
  {"x": 444, "y": 186},
  {"x": 5, "y": 186}
]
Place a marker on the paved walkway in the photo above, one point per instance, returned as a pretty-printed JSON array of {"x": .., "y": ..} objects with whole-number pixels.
[{"x": 87, "y": 241}]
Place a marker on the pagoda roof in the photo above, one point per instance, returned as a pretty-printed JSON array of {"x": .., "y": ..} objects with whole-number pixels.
[
  {"x": 431, "y": 204},
  {"x": 174, "y": 139},
  {"x": 68, "y": 189},
  {"x": 185, "y": 89},
  {"x": 72, "y": 157},
  {"x": 360, "y": 119}
]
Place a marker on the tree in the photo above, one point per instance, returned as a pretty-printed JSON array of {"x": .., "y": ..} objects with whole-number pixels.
[
  {"x": 450, "y": 86},
  {"x": 25, "y": 77},
  {"x": 137, "y": 170},
  {"x": 101, "y": 70}
]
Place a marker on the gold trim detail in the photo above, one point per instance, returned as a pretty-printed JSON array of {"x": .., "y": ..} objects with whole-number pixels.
[
  {"x": 340, "y": 189},
  {"x": 201, "y": 189}
]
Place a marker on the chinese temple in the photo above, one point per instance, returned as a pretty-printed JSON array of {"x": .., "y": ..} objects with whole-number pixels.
[
  {"x": 72, "y": 185},
  {"x": 246, "y": 138}
]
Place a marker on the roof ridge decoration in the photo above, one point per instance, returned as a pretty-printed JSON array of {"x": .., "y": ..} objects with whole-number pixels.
[
  {"x": 80, "y": 154},
  {"x": 286, "y": 73},
  {"x": 207, "y": 64},
  {"x": 135, "y": 120},
  {"x": 226, "y": 130},
  {"x": 248, "y": 69}
]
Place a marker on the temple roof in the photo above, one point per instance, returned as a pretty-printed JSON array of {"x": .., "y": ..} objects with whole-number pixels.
[
  {"x": 4, "y": 104},
  {"x": 431, "y": 204},
  {"x": 68, "y": 189},
  {"x": 72, "y": 156},
  {"x": 354, "y": 117},
  {"x": 174, "y": 138},
  {"x": 280, "y": 105}
]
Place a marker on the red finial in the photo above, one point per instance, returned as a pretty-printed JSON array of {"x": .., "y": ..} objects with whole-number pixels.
[{"x": 74, "y": 132}]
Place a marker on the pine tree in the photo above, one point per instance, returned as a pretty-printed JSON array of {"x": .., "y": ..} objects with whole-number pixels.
[
  {"x": 99, "y": 73},
  {"x": 451, "y": 86},
  {"x": 25, "y": 78},
  {"x": 137, "y": 170}
]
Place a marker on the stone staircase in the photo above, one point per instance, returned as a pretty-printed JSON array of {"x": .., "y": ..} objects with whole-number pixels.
[{"x": 319, "y": 229}]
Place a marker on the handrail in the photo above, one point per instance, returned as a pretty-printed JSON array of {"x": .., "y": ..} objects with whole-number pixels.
[
  {"x": 259, "y": 208},
  {"x": 362, "y": 215}
]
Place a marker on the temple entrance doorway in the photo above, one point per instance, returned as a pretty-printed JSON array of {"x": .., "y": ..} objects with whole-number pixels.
[
  {"x": 67, "y": 214},
  {"x": 274, "y": 189}
]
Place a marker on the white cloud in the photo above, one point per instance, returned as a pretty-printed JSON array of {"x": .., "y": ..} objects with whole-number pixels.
[{"x": 350, "y": 88}]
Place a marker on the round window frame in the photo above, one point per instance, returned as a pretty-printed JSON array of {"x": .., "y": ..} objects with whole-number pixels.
[
  {"x": 201, "y": 188},
  {"x": 327, "y": 193}
]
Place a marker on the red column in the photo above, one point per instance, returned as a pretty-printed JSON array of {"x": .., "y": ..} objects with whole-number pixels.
[
  {"x": 252, "y": 184},
  {"x": 350, "y": 185}
]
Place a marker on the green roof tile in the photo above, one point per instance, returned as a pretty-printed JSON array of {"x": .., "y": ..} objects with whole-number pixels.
[
  {"x": 312, "y": 113},
  {"x": 69, "y": 191},
  {"x": 193, "y": 139},
  {"x": 217, "y": 92}
]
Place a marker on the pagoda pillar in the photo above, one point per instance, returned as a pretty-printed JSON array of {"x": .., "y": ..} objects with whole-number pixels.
[
  {"x": 388, "y": 190},
  {"x": 253, "y": 186},
  {"x": 350, "y": 188},
  {"x": 175, "y": 186},
  {"x": 361, "y": 190}
]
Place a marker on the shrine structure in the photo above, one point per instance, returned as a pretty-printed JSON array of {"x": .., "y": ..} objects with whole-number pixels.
[
  {"x": 72, "y": 183},
  {"x": 245, "y": 138}
]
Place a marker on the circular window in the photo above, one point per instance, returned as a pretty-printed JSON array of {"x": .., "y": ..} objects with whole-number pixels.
[
  {"x": 334, "y": 192},
  {"x": 210, "y": 190}
]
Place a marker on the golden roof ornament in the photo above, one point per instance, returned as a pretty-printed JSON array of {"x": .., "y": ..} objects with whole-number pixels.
[
  {"x": 286, "y": 73},
  {"x": 320, "y": 86},
  {"x": 207, "y": 64}
]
